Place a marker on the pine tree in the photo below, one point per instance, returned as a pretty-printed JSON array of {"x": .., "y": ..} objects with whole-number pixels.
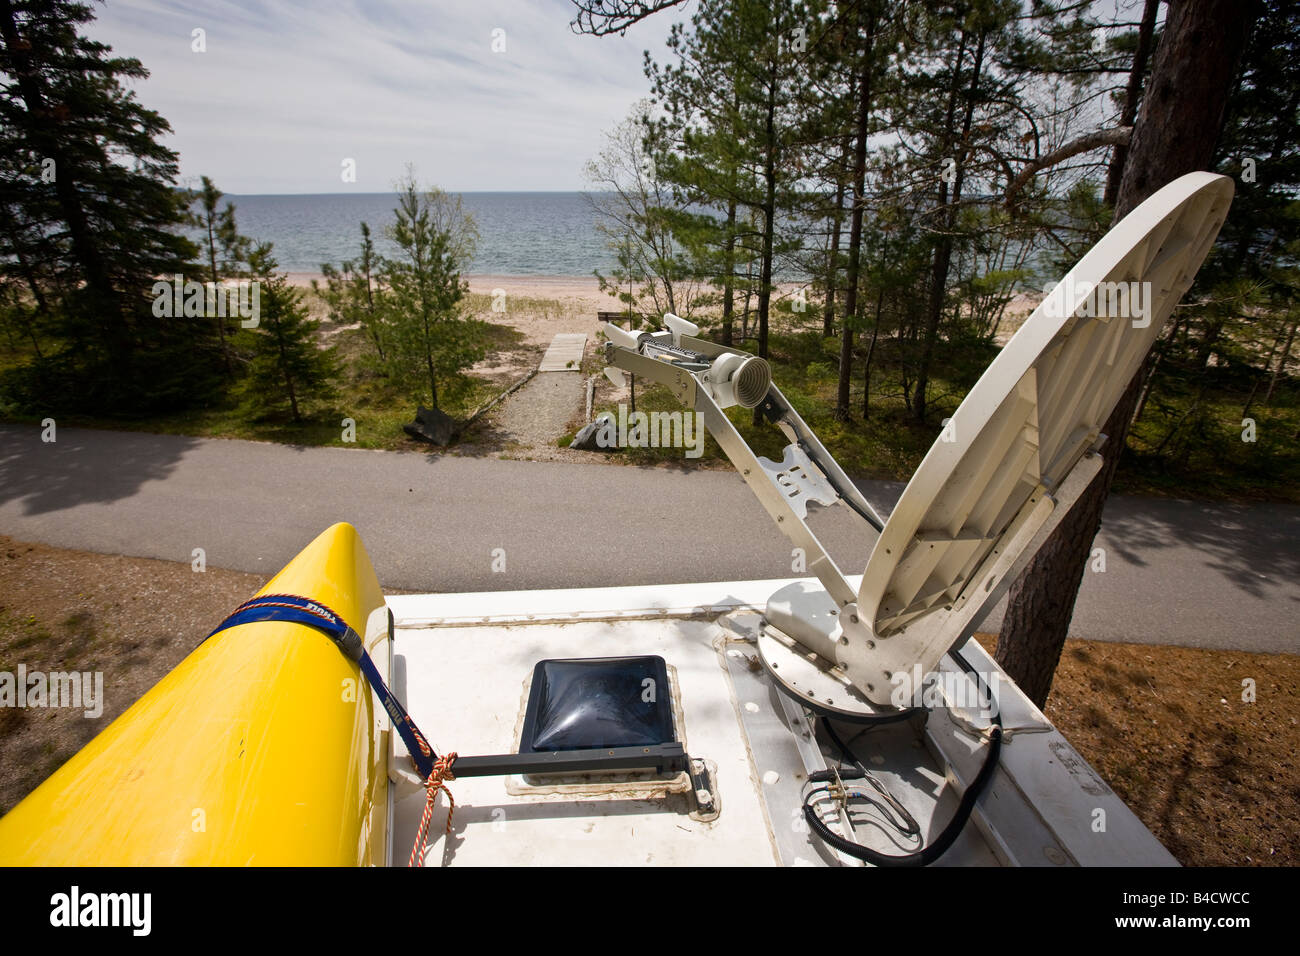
[
  {"x": 286, "y": 366},
  {"x": 355, "y": 294},
  {"x": 223, "y": 248},
  {"x": 1180, "y": 119},
  {"x": 95, "y": 207},
  {"x": 435, "y": 239},
  {"x": 730, "y": 93}
]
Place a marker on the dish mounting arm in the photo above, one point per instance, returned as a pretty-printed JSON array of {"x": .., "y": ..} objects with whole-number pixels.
[{"x": 807, "y": 472}]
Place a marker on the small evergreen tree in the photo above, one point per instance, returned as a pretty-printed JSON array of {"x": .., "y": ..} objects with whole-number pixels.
[
  {"x": 435, "y": 238},
  {"x": 286, "y": 367},
  {"x": 223, "y": 249},
  {"x": 355, "y": 294}
]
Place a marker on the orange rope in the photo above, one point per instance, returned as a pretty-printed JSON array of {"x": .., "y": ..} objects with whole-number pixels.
[
  {"x": 437, "y": 782},
  {"x": 419, "y": 739}
]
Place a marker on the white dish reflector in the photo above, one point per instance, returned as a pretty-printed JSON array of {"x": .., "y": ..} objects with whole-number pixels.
[{"x": 1032, "y": 416}]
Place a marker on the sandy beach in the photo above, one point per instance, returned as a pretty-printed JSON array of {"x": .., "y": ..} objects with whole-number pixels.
[
  {"x": 579, "y": 299},
  {"x": 538, "y": 306},
  {"x": 540, "y": 287}
]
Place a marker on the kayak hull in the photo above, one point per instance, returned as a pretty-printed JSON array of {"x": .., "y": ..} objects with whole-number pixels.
[{"x": 262, "y": 747}]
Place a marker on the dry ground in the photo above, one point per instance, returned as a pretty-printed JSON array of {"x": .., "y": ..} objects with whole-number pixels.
[
  {"x": 1214, "y": 777},
  {"x": 131, "y": 618}
]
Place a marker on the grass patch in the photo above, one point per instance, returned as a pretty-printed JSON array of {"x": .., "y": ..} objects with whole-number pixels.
[
  {"x": 378, "y": 407},
  {"x": 888, "y": 445},
  {"x": 1193, "y": 439}
]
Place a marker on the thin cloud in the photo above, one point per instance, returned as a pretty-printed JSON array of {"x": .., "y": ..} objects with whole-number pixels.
[{"x": 285, "y": 92}]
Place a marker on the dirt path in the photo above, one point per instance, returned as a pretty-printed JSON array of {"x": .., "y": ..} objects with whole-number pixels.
[{"x": 534, "y": 418}]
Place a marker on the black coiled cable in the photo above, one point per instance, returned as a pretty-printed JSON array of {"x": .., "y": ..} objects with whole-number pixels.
[{"x": 926, "y": 855}]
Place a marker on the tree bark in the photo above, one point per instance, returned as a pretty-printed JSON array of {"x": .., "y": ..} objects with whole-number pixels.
[
  {"x": 769, "y": 218},
  {"x": 769, "y": 221},
  {"x": 871, "y": 353},
  {"x": 213, "y": 275},
  {"x": 1133, "y": 93},
  {"x": 1176, "y": 130},
  {"x": 1281, "y": 363},
  {"x": 833, "y": 266},
  {"x": 729, "y": 276},
  {"x": 855, "y": 224},
  {"x": 947, "y": 222}
]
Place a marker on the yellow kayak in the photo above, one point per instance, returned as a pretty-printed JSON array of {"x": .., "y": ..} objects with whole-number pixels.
[{"x": 262, "y": 747}]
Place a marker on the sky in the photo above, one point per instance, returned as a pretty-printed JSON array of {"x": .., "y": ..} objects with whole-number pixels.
[{"x": 286, "y": 91}]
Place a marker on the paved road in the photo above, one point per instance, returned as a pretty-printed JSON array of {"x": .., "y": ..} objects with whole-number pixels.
[{"x": 1177, "y": 572}]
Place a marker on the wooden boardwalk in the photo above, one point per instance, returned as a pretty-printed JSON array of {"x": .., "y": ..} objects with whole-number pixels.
[{"x": 564, "y": 353}]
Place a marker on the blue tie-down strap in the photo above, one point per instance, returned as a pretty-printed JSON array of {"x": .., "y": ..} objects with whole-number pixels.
[{"x": 300, "y": 610}]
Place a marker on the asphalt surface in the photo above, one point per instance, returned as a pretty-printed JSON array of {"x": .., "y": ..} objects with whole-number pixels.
[{"x": 1177, "y": 572}]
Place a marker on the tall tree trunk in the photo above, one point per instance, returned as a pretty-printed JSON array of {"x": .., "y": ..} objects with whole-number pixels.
[
  {"x": 729, "y": 276},
  {"x": 428, "y": 358},
  {"x": 284, "y": 370},
  {"x": 1281, "y": 363},
  {"x": 855, "y": 221},
  {"x": 769, "y": 222},
  {"x": 1133, "y": 93},
  {"x": 769, "y": 230},
  {"x": 871, "y": 352},
  {"x": 947, "y": 222},
  {"x": 1177, "y": 127},
  {"x": 215, "y": 278},
  {"x": 833, "y": 264}
]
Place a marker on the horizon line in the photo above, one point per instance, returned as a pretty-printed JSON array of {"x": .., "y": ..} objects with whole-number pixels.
[{"x": 458, "y": 192}]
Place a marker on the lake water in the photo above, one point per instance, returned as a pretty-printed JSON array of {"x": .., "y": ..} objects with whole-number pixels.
[{"x": 551, "y": 233}]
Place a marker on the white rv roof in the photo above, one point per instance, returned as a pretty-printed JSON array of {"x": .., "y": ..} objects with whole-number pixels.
[{"x": 462, "y": 663}]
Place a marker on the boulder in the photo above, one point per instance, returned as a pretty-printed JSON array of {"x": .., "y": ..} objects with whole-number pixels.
[{"x": 586, "y": 439}]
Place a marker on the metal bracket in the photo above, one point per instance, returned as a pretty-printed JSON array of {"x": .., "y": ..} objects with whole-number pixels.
[
  {"x": 678, "y": 380},
  {"x": 802, "y": 480}
]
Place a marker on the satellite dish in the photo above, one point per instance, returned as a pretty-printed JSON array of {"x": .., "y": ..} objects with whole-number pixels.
[
  {"x": 1015, "y": 457},
  {"x": 1012, "y": 460}
]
